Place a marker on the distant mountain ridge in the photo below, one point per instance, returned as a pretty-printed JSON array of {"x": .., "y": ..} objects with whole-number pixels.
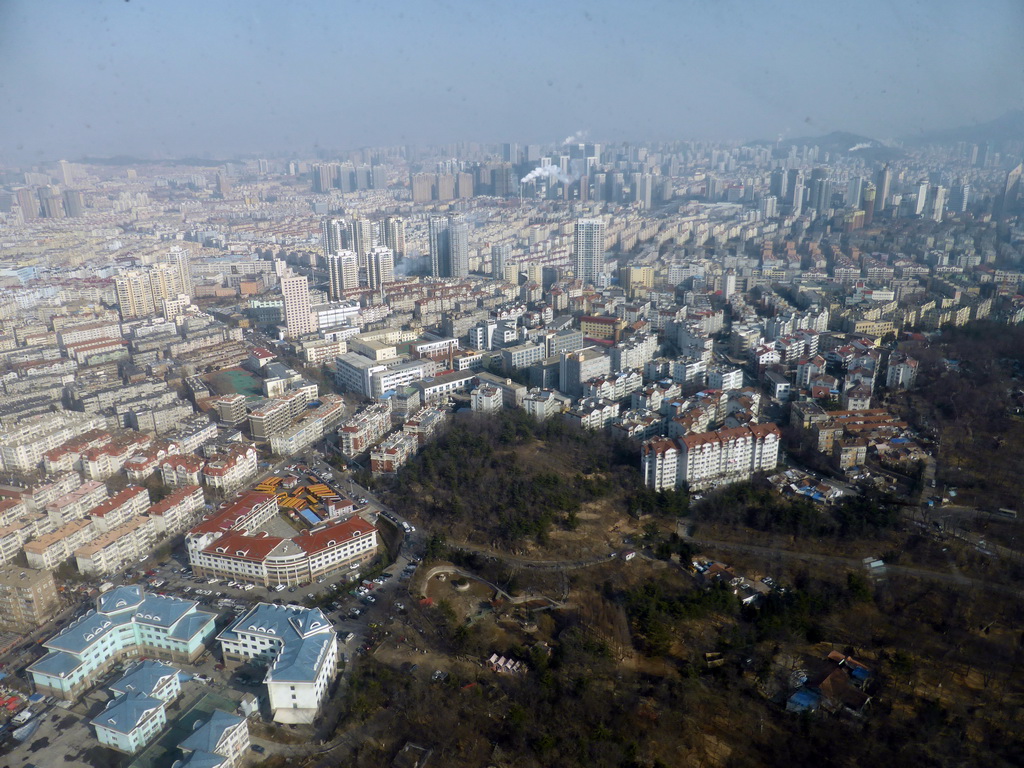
[{"x": 1009, "y": 126}]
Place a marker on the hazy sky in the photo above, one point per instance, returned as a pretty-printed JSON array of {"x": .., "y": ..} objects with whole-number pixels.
[{"x": 173, "y": 77}]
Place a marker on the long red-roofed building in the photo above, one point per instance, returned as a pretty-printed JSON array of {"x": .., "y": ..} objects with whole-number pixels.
[
  {"x": 710, "y": 458},
  {"x": 228, "y": 545}
]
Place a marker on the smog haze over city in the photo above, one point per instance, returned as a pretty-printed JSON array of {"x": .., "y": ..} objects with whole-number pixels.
[
  {"x": 455, "y": 384},
  {"x": 194, "y": 78}
]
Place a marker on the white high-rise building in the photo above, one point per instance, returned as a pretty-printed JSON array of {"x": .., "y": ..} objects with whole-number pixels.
[
  {"x": 297, "y": 315},
  {"x": 180, "y": 258},
  {"x": 165, "y": 282},
  {"x": 134, "y": 294},
  {"x": 449, "y": 246},
  {"x": 342, "y": 273},
  {"x": 438, "y": 239},
  {"x": 392, "y": 233},
  {"x": 854, "y": 191},
  {"x": 364, "y": 238},
  {"x": 380, "y": 268},
  {"x": 458, "y": 246},
  {"x": 589, "y": 250},
  {"x": 659, "y": 460},
  {"x": 922, "y": 197},
  {"x": 936, "y": 203},
  {"x": 501, "y": 253},
  {"x": 332, "y": 235}
]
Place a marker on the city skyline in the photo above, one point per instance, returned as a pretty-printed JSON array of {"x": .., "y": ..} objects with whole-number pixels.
[{"x": 171, "y": 80}]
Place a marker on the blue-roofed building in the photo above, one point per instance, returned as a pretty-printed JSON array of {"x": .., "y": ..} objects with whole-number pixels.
[
  {"x": 200, "y": 759},
  {"x": 152, "y": 678},
  {"x": 127, "y": 623},
  {"x": 220, "y": 742},
  {"x": 129, "y": 722},
  {"x": 803, "y": 700},
  {"x": 309, "y": 517},
  {"x": 298, "y": 646}
]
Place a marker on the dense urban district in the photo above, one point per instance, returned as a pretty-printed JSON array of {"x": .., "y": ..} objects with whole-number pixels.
[{"x": 628, "y": 455}]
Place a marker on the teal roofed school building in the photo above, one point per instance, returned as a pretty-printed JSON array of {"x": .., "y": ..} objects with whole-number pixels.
[{"x": 127, "y": 623}]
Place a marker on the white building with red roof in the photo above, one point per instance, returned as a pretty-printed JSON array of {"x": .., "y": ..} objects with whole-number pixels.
[
  {"x": 231, "y": 469},
  {"x": 229, "y": 545},
  {"x": 710, "y": 458}
]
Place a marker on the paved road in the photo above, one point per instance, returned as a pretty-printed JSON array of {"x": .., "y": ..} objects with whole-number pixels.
[
  {"x": 948, "y": 513},
  {"x": 954, "y": 579}
]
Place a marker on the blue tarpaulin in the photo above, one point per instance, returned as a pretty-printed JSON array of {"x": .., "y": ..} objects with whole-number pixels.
[{"x": 803, "y": 701}]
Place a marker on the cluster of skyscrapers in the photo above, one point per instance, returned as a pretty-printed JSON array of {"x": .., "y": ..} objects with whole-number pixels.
[{"x": 361, "y": 253}]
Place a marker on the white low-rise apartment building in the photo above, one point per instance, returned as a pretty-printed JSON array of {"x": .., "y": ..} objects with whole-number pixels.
[
  {"x": 119, "y": 509},
  {"x": 75, "y": 504},
  {"x": 710, "y": 458},
  {"x": 392, "y": 453},
  {"x": 177, "y": 470},
  {"x": 615, "y": 386},
  {"x": 220, "y": 742},
  {"x": 52, "y": 488},
  {"x": 130, "y": 722},
  {"x": 300, "y": 649},
  {"x": 659, "y": 460},
  {"x": 231, "y": 469},
  {"x": 542, "y": 404},
  {"x": 364, "y": 429},
  {"x": 486, "y": 399},
  {"x": 178, "y": 511},
  {"x": 52, "y": 549},
  {"x": 593, "y": 413},
  {"x": 425, "y": 424},
  {"x": 111, "y": 551},
  {"x": 323, "y": 350},
  {"x": 102, "y": 461},
  {"x": 22, "y": 448},
  {"x": 14, "y": 536},
  {"x": 310, "y": 427},
  {"x": 138, "y": 711}
]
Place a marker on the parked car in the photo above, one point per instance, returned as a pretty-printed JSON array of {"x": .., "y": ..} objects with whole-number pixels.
[{"x": 257, "y": 749}]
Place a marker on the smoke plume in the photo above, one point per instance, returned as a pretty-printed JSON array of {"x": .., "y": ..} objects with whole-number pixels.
[{"x": 546, "y": 172}]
